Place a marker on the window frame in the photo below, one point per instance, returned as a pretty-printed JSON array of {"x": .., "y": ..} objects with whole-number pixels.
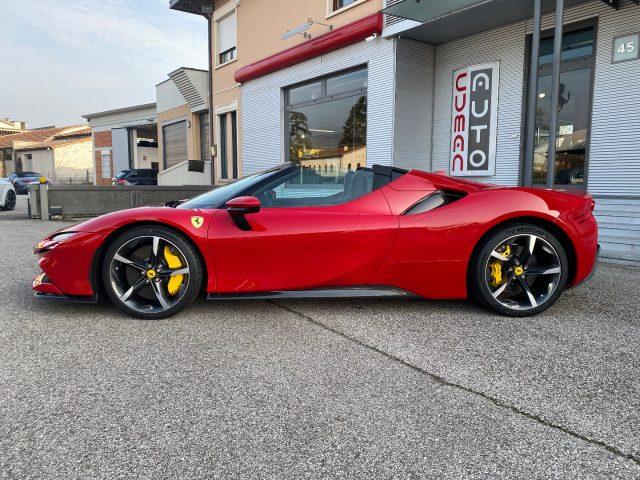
[
  {"x": 332, "y": 8},
  {"x": 324, "y": 98},
  {"x": 230, "y": 8},
  {"x": 227, "y": 150}
]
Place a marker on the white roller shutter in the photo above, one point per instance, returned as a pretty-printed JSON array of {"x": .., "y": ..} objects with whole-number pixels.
[
  {"x": 227, "y": 33},
  {"x": 174, "y": 140}
]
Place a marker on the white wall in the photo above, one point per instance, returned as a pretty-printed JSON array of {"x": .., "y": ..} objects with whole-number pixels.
[
  {"x": 146, "y": 155},
  {"x": 180, "y": 175},
  {"x": 507, "y": 46},
  {"x": 146, "y": 115},
  {"x": 263, "y": 106},
  {"x": 73, "y": 161},
  {"x": 41, "y": 162},
  {"x": 415, "y": 64},
  {"x": 168, "y": 96}
]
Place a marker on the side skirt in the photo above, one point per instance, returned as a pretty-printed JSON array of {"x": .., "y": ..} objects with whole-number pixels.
[{"x": 351, "y": 292}]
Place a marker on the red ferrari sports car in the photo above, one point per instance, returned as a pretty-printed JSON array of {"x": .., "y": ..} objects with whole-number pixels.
[{"x": 294, "y": 232}]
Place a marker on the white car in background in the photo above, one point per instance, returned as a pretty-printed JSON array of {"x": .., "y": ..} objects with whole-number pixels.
[{"x": 7, "y": 195}]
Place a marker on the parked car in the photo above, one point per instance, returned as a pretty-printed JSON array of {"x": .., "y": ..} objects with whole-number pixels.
[
  {"x": 136, "y": 176},
  {"x": 7, "y": 195},
  {"x": 383, "y": 231},
  {"x": 22, "y": 180}
]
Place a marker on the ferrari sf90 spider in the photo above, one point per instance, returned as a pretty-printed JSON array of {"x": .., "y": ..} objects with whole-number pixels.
[{"x": 295, "y": 232}]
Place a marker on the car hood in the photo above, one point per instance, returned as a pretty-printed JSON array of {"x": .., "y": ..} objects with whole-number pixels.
[{"x": 181, "y": 219}]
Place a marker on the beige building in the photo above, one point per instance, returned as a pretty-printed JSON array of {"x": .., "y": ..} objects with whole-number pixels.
[
  {"x": 9, "y": 127},
  {"x": 183, "y": 128},
  {"x": 62, "y": 154},
  {"x": 245, "y": 32}
]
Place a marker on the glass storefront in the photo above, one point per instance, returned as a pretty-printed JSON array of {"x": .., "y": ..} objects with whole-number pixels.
[
  {"x": 574, "y": 110},
  {"x": 327, "y": 125}
]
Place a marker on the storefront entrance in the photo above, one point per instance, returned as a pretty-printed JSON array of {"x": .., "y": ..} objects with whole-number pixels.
[{"x": 574, "y": 109}]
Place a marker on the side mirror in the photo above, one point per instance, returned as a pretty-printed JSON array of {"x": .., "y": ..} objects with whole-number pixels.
[{"x": 241, "y": 206}]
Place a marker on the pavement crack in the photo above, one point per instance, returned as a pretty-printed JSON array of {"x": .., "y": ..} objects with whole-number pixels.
[{"x": 443, "y": 381}]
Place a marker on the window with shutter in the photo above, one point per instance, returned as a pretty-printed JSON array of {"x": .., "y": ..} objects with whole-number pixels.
[{"x": 227, "y": 38}]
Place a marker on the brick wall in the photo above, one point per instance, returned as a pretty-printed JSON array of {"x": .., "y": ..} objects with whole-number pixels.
[{"x": 102, "y": 140}]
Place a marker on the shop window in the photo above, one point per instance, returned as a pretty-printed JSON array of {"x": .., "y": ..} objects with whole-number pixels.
[
  {"x": 574, "y": 111},
  {"x": 227, "y": 38},
  {"x": 326, "y": 124},
  {"x": 575, "y": 44}
]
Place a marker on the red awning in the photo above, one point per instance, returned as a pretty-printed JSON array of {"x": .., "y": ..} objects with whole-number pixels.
[{"x": 338, "y": 38}]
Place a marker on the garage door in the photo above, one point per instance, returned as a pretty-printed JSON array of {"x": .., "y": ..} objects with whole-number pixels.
[{"x": 175, "y": 143}]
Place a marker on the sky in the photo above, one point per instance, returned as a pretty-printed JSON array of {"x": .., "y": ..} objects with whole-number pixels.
[{"x": 61, "y": 59}]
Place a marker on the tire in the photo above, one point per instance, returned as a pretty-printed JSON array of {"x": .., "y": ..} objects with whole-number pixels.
[
  {"x": 127, "y": 279},
  {"x": 9, "y": 201},
  {"x": 531, "y": 276}
]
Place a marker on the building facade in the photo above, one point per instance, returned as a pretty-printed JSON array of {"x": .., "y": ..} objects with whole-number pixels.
[
  {"x": 438, "y": 86},
  {"x": 62, "y": 154},
  {"x": 9, "y": 127},
  {"x": 122, "y": 139},
  {"x": 183, "y": 127}
]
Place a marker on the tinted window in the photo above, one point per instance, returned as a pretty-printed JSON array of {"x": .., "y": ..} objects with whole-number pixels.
[
  {"x": 347, "y": 83},
  {"x": 306, "y": 93},
  {"x": 331, "y": 131},
  {"x": 575, "y": 44}
]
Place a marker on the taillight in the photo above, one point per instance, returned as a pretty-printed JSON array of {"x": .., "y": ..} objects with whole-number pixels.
[{"x": 121, "y": 181}]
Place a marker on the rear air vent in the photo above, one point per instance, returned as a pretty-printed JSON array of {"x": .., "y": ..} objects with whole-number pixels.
[{"x": 435, "y": 200}]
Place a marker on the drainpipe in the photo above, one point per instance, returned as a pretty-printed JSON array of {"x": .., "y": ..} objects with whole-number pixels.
[{"x": 207, "y": 12}]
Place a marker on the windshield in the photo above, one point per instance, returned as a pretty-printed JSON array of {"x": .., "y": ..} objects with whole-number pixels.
[
  {"x": 122, "y": 174},
  {"x": 219, "y": 196}
]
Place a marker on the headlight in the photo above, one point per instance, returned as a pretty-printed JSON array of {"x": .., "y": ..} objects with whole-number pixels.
[
  {"x": 52, "y": 241},
  {"x": 62, "y": 236}
]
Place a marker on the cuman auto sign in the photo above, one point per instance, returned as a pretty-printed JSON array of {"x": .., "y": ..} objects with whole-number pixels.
[{"x": 475, "y": 120}]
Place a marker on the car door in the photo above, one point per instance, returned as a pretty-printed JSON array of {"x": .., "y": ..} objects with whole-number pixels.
[{"x": 306, "y": 235}]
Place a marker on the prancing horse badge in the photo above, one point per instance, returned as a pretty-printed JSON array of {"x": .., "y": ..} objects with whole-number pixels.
[{"x": 197, "y": 221}]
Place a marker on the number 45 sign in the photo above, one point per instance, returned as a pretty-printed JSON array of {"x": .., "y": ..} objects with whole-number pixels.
[{"x": 626, "y": 48}]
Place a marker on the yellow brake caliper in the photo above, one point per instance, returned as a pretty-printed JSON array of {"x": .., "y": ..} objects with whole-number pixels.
[
  {"x": 173, "y": 262},
  {"x": 497, "y": 277}
]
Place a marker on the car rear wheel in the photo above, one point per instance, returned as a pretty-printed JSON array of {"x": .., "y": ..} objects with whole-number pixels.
[
  {"x": 521, "y": 270},
  {"x": 151, "y": 272},
  {"x": 10, "y": 201}
]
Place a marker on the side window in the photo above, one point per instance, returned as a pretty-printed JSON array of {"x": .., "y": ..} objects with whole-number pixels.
[{"x": 308, "y": 186}]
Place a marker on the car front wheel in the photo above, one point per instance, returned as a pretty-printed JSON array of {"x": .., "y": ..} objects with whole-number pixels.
[
  {"x": 520, "y": 270},
  {"x": 151, "y": 272}
]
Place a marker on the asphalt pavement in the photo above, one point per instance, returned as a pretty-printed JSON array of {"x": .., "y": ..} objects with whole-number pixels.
[{"x": 316, "y": 389}]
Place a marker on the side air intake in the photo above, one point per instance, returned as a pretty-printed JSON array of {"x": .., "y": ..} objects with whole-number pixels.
[{"x": 435, "y": 200}]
